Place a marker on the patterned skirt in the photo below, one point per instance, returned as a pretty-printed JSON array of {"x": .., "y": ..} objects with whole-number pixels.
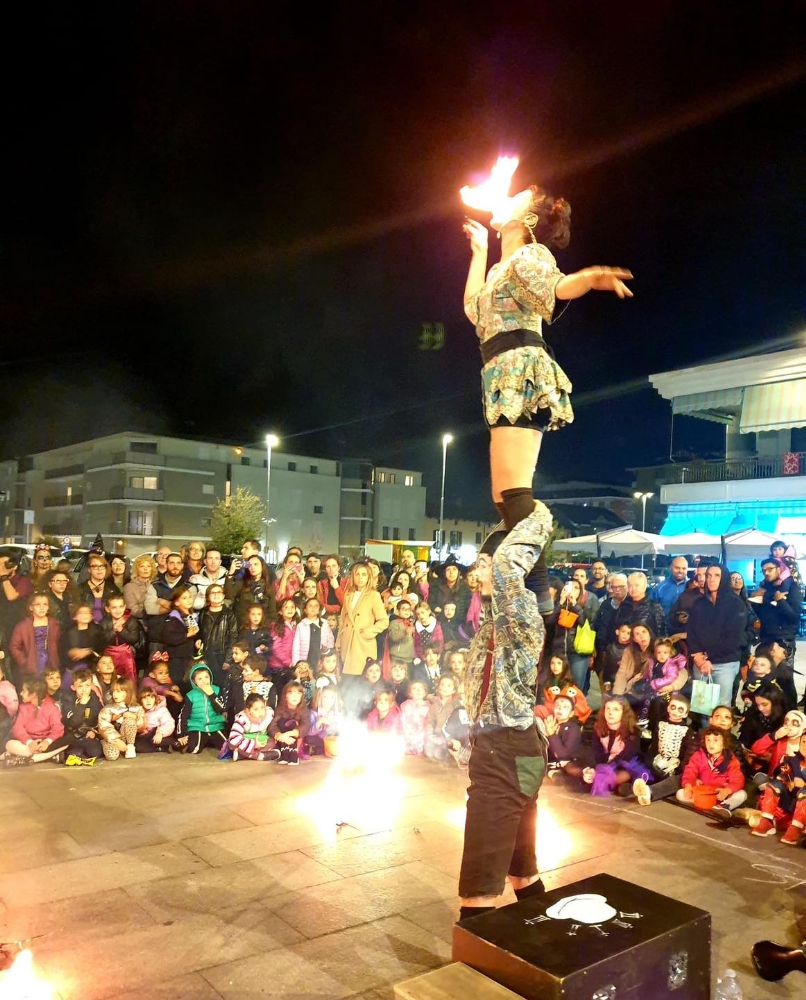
[{"x": 519, "y": 383}]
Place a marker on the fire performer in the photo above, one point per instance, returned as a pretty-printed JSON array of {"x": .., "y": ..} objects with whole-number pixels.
[
  {"x": 508, "y": 751},
  {"x": 525, "y": 392}
]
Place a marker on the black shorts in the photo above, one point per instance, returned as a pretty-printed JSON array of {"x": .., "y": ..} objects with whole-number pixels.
[{"x": 506, "y": 770}]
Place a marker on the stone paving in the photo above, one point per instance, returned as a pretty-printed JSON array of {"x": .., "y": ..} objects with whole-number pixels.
[{"x": 194, "y": 879}]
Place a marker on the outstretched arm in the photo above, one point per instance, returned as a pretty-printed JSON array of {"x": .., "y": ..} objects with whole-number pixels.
[{"x": 599, "y": 279}]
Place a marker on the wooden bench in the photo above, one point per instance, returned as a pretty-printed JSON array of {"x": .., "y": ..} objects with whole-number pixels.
[{"x": 453, "y": 982}]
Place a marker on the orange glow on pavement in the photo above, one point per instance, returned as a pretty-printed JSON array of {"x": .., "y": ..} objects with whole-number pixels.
[{"x": 20, "y": 982}]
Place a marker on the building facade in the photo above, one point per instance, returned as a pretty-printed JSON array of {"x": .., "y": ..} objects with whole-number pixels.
[{"x": 139, "y": 491}]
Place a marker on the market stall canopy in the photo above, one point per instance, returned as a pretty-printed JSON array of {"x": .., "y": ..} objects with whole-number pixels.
[
  {"x": 751, "y": 543},
  {"x": 693, "y": 543},
  {"x": 624, "y": 541}
]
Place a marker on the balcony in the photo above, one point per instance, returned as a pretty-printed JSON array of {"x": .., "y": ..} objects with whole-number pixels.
[
  {"x": 132, "y": 493},
  {"x": 65, "y": 472},
  {"x": 792, "y": 464},
  {"x": 76, "y": 500}
]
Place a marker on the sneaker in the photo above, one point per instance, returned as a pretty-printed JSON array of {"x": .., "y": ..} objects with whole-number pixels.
[
  {"x": 640, "y": 790},
  {"x": 722, "y": 811},
  {"x": 130, "y": 752},
  {"x": 290, "y": 756},
  {"x": 765, "y": 828},
  {"x": 272, "y": 754},
  {"x": 792, "y": 836}
]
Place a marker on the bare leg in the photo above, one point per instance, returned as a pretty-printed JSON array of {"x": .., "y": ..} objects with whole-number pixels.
[
  {"x": 521, "y": 883},
  {"x": 513, "y": 458}
]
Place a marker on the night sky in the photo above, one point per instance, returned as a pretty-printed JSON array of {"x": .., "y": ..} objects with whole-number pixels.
[{"x": 224, "y": 218}]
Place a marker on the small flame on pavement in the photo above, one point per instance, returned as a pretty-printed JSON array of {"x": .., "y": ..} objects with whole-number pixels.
[{"x": 21, "y": 982}]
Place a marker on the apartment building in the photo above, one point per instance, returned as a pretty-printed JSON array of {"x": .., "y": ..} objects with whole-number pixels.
[{"x": 141, "y": 490}]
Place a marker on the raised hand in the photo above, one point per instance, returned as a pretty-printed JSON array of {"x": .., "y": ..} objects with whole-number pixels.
[
  {"x": 477, "y": 234},
  {"x": 610, "y": 279}
]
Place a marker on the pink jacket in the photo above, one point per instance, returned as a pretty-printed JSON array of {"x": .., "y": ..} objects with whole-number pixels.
[
  {"x": 713, "y": 772},
  {"x": 302, "y": 641},
  {"x": 671, "y": 669},
  {"x": 38, "y": 722},
  {"x": 159, "y": 718},
  {"x": 413, "y": 715},
  {"x": 390, "y": 724},
  {"x": 281, "y": 646},
  {"x": 8, "y": 698}
]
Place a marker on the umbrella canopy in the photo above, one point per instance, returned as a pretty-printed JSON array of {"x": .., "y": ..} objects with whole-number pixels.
[
  {"x": 624, "y": 541},
  {"x": 694, "y": 542},
  {"x": 751, "y": 543}
]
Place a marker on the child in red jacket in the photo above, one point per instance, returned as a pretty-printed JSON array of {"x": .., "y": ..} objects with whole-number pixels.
[
  {"x": 715, "y": 765},
  {"x": 38, "y": 732},
  {"x": 385, "y": 717},
  {"x": 784, "y": 795}
]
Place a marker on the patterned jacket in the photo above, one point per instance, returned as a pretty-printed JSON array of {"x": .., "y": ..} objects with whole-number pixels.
[{"x": 513, "y": 618}]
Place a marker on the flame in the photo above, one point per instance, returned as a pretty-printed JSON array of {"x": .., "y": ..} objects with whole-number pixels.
[
  {"x": 21, "y": 982},
  {"x": 361, "y": 788},
  {"x": 488, "y": 195}
]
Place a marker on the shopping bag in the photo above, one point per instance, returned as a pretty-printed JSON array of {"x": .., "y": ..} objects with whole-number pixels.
[
  {"x": 584, "y": 640},
  {"x": 704, "y": 696}
]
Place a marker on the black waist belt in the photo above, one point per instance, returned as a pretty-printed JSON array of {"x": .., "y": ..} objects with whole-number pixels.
[{"x": 508, "y": 340}]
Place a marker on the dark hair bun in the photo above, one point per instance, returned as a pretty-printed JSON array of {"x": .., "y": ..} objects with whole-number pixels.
[{"x": 554, "y": 218}]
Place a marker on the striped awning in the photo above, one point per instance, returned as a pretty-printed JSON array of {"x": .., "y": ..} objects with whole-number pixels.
[
  {"x": 720, "y": 405},
  {"x": 774, "y": 407}
]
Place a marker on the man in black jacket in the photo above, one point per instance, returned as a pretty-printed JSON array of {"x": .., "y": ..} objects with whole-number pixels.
[
  {"x": 715, "y": 631},
  {"x": 638, "y": 609},
  {"x": 779, "y": 613}
]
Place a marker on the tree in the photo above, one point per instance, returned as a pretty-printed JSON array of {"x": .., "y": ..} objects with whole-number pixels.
[{"x": 237, "y": 518}]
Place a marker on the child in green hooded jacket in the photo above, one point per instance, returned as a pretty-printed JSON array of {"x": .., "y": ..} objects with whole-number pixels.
[{"x": 201, "y": 722}]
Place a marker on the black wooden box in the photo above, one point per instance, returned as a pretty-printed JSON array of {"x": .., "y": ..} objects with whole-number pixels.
[{"x": 642, "y": 945}]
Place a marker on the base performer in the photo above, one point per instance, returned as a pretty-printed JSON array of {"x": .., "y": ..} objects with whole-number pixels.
[{"x": 508, "y": 757}]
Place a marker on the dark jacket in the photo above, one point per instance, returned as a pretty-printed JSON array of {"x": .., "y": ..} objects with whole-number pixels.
[
  {"x": 718, "y": 628},
  {"x": 605, "y": 624},
  {"x": 80, "y": 719},
  {"x": 86, "y": 596},
  {"x": 218, "y": 630},
  {"x": 132, "y": 634},
  {"x": 681, "y": 609},
  {"x": 643, "y": 612},
  {"x": 780, "y": 621},
  {"x": 566, "y": 742},
  {"x": 601, "y": 751}
]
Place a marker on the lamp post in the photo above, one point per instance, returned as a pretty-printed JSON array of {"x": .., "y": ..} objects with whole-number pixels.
[
  {"x": 446, "y": 440},
  {"x": 271, "y": 442},
  {"x": 643, "y": 497}
]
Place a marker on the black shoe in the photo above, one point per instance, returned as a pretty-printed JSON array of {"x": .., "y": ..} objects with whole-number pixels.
[{"x": 774, "y": 961}]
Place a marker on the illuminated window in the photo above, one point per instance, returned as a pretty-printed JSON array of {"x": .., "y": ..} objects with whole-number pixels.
[
  {"x": 144, "y": 482},
  {"x": 392, "y": 477},
  {"x": 141, "y": 522},
  {"x": 408, "y": 480},
  {"x": 381, "y": 477}
]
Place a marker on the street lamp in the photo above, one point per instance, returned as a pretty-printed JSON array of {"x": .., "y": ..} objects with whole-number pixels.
[
  {"x": 643, "y": 497},
  {"x": 271, "y": 442},
  {"x": 446, "y": 440}
]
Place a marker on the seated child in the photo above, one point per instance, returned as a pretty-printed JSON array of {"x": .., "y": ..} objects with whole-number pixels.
[
  {"x": 611, "y": 658},
  {"x": 252, "y": 682},
  {"x": 385, "y": 717},
  {"x": 103, "y": 675},
  {"x": 53, "y": 682},
  {"x": 37, "y": 733},
  {"x": 715, "y": 765},
  {"x": 329, "y": 670},
  {"x": 359, "y": 698},
  {"x": 450, "y": 627},
  {"x": 398, "y": 682},
  {"x": 291, "y": 723},
  {"x": 159, "y": 680},
  {"x": 9, "y": 703},
  {"x": 120, "y": 721},
  {"x": 615, "y": 750},
  {"x": 413, "y": 713},
  {"x": 784, "y": 742},
  {"x": 564, "y": 733},
  {"x": 429, "y": 669},
  {"x": 304, "y": 676},
  {"x": 762, "y": 673},
  {"x": 457, "y": 732},
  {"x": 785, "y": 797},
  {"x": 201, "y": 722},
  {"x": 326, "y": 720},
  {"x": 664, "y": 673},
  {"x": 760, "y": 724},
  {"x": 457, "y": 666},
  {"x": 80, "y": 717},
  {"x": 557, "y": 680},
  {"x": 157, "y": 726},
  {"x": 249, "y": 737},
  {"x": 442, "y": 706},
  {"x": 671, "y": 746}
]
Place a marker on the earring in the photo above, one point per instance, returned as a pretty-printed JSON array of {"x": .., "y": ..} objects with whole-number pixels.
[{"x": 530, "y": 220}]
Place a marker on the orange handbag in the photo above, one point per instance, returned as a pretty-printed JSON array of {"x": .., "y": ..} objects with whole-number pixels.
[{"x": 567, "y": 619}]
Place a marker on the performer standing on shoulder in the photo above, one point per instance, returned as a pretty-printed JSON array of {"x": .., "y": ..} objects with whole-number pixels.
[
  {"x": 508, "y": 758},
  {"x": 525, "y": 392}
]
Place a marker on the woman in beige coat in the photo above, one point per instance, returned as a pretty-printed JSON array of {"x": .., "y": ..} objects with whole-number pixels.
[{"x": 363, "y": 617}]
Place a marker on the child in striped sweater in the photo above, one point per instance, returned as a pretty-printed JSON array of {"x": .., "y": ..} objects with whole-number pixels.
[{"x": 249, "y": 736}]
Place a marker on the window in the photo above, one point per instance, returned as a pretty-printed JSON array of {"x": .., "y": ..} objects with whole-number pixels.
[
  {"x": 292, "y": 466},
  {"x": 314, "y": 470},
  {"x": 245, "y": 460},
  {"x": 141, "y": 522},
  {"x": 385, "y": 534},
  {"x": 317, "y": 510},
  {"x": 144, "y": 482},
  {"x": 411, "y": 534},
  {"x": 392, "y": 477},
  {"x": 479, "y": 538},
  {"x": 207, "y": 522},
  {"x": 381, "y": 477},
  {"x": 408, "y": 480},
  {"x": 456, "y": 539},
  {"x": 395, "y": 534},
  {"x": 208, "y": 489},
  {"x": 144, "y": 447}
]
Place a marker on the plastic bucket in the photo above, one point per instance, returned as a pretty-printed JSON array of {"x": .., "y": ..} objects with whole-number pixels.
[
  {"x": 331, "y": 746},
  {"x": 704, "y": 797}
]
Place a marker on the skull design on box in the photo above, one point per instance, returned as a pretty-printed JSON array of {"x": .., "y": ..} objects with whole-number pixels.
[{"x": 586, "y": 910}]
